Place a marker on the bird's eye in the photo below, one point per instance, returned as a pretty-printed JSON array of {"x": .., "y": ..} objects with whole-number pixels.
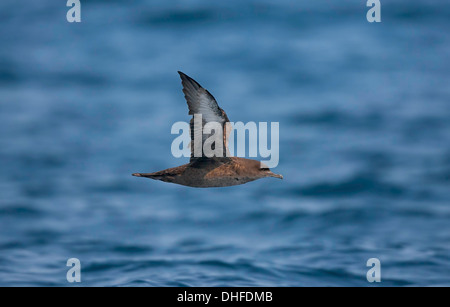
[{"x": 264, "y": 169}]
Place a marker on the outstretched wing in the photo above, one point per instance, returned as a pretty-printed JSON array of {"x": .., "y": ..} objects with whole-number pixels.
[{"x": 200, "y": 101}]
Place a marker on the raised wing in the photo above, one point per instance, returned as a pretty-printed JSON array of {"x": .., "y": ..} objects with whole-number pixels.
[{"x": 201, "y": 102}]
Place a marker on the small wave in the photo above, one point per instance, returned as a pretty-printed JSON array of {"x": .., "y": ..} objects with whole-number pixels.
[{"x": 358, "y": 184}]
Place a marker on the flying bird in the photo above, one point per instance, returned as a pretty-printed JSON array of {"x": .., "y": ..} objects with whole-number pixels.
[{"x": 203, "y": 171}]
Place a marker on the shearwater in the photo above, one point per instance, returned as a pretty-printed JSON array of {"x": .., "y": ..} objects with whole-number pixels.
[{"x": 203, "y": 171}]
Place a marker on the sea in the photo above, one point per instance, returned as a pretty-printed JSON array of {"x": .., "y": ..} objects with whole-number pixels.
[{"x": 364, "y": 143}]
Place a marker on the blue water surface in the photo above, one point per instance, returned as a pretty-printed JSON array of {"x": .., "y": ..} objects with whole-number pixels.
[{"x": 364, "y": 143}]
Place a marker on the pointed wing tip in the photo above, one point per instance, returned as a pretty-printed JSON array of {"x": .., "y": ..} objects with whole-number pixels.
[
  {"x": 186, "y": 81},
  {"x": 183, "y": 75}
]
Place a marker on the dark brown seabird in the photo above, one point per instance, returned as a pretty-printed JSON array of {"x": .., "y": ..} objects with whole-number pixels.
[{"x": 204, "y": 172}]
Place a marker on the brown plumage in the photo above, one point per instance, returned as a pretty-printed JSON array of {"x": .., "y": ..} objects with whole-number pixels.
[{"x": 204, "y": 172}]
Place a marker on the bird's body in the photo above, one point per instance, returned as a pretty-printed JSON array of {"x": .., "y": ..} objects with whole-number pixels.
[
  {"x": 204, "y": 172},
  {"x": 211, "y": 172}
]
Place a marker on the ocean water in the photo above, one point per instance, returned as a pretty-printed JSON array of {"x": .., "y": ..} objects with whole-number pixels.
[{"x": 364, "y": 143}]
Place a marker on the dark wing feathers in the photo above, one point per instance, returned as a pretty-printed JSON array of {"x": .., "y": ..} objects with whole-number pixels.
[{"x": 200, "y": 101}]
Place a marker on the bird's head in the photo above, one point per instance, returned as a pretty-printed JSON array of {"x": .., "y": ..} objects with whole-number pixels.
[{"x": 265, "y": 171}]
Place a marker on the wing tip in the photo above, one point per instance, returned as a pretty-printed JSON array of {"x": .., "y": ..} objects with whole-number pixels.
[
  {"x": 184, "y": 77},
  {"x": 188, "y": 80}
]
